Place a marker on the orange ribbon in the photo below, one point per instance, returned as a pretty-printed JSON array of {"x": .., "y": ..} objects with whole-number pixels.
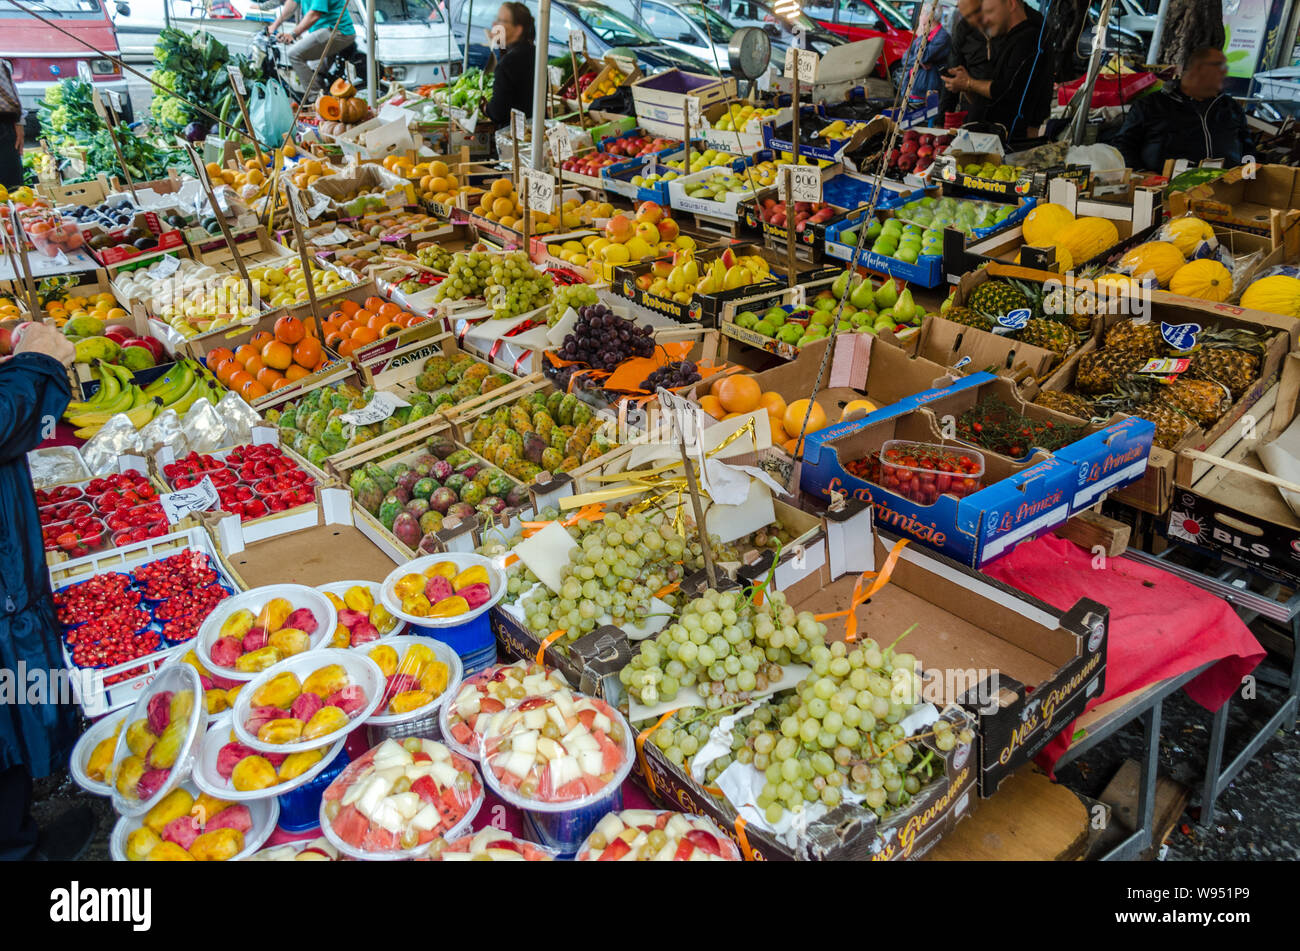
[
  {"x": 860, "y": 596},
  {"x": 547, "y": 641},
  {"x": 592, "y": 513},
  {"x": 668, "y": 588},
  {"x": 745, "y": 849},
  {"x": 640, "y": 750}
]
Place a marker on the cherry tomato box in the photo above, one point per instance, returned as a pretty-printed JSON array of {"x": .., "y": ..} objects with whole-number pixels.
[{"x": 1016, "y": 499}]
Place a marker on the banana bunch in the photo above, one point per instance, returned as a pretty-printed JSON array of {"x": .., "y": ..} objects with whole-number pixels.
[{"x": 118, "y": 392}]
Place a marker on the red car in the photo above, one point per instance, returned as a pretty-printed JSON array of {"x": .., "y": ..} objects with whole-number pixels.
[{"x": 865, "y": 20}]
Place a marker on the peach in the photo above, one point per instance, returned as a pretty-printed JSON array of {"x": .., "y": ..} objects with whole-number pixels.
[{"x": 649, "y": 211}]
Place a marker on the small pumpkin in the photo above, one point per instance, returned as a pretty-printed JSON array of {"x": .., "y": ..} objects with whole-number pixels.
[
  {"x": 327, "y": 107},
  {"x": 354, "y": 110},
  {"x": 342, "y": 89}
]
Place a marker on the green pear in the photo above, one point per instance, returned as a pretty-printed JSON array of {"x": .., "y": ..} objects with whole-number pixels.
[
  {"x": 746, "y": 319},
  {"x": 947, "y": 303},
  {"x": 790, "y": 333},
  {"x": 904, "y": 307},
  {"x": 845, "y": 327},
  {"x": 825, "y": 303},
  {"x": 862, "y": 296},
  {"x": 842, "y": 282},
  {"x": 822, "y": 318},
  {"x": 887, "y": 293},
  {"x": 863, "y": 319}
]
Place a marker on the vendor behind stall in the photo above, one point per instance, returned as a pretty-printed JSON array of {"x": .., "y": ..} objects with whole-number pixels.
[
  {"x": 969, "y": 48},
  {"x": 1191, "y": 118},
  {"x": 512, "y": 84},
  {"x": 1017, "y": 96}
]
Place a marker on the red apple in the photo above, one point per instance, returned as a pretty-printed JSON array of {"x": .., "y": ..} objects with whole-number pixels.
[{"x": 149, "y": 343}]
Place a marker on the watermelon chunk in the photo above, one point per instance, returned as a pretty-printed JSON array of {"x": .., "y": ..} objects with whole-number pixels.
[
  {"x": 593, "y": 784},
  {"x": 613, "y": 754},
  {"x": 462, "y": 734},
  {"x": 378, "y": 839},
  {"x": 351, "y": 826},
  {"x": 425, "y": 788},
  {"x": 587, "y": 717},
  {"x": 572, "y": 790}
]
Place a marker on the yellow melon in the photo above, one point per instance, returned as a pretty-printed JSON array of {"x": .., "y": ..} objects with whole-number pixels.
[
  {"x": 1277, "y": 294},
  {"x": 1157, "y": 258},
  {"x": 1085, "y": 238},
  {"x": 1205, "y": 278},
  {"x": 1043, "y": 223},
  {"x": 1186, "y": 233}
]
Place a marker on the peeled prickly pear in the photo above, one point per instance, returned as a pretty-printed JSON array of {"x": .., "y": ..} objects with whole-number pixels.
[
  {"x": 101, "y": 758},
  {"x": 287, "y": 730},
  {"x": 475, "y": 594},
  {"x": 129, "y": 772},
  {"x": 237, "y": 624},
  {"x": 295, "y": 764},
  {"x": 258, "y": 716},
  {"x": 237, "y": 817},
  {"x": 303, "y": 620},
  {"x": 326, "y": 721},
  {"x": 230, "y": 756},
  {"x": 140, "y": 843},
  {"x": 139, "y": 737},
  {"x": 273, "y": 614},
  {"x": 259, "y": 660},
  {"x": 220, "y": 845},
  {"x": 182, "y": 830},
  {"x": 350, "y": 699},
  {"x": 159, "y": 711},
  {"x": 254, "y": 640},
  {"x": 215, "y": 700},
  {"x": 152, "y": 781},
  {"x": 163, "y": 754},
  {"x": 326, "y": 681},
  {"x": 178, "y": 802},
  {"x": 437, "y": 588},
  {"x": 305, "y": 706},
  {"x": 169, "y": 852},
  {"x": 280, "y": 691},
  {"x": 409, "y": 700},
  {"x": 289, "y": 641},
  {"x": 363, "y": 633},
  {"x": 434, "y": 678},
  {"x": 385, "y": 657}
]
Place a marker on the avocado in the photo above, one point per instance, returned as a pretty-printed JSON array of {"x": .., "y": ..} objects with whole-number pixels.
[{"x": 144, "y": 244}]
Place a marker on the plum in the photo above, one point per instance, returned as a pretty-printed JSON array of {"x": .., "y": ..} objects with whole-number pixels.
[
  {"x": 437, "y": 588},
  {"x": 302, "y": 620},
  {"x": 226, "y": 651},
  {"x": 305, "y": 707},
  {"x": 474, "y": 594},
  {"x": 159, "y": 712},
  {"x": 254, "y": 640},
  {"x": 350, "y": 699},
  {"x": 229, "y": 756}
]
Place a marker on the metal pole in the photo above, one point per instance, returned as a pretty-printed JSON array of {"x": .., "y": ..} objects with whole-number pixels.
[
  {"x": 372, "y": 64},
  {"x": 539, "y": 83},
  {"x": 469, "y": 25},
  {"x": 1158, "y": 33},
  {"x": 1083, "y": 98}
]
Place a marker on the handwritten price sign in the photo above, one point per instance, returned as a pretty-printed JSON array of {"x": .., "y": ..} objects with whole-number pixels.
[
  {"x": 197, "y": 498},
  {"x": 541, "y": 190},
  {"x": 802, "y": 63},
  {"x": 377, "y": 410},
  {"x": 805, "y": 182}
]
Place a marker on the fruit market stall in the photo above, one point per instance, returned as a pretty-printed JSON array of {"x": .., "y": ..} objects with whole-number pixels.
[{"x": 690, "y": 482}]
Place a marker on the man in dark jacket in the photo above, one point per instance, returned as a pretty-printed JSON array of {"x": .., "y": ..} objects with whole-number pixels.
[
  {"x": 1191, "y": 118},
  {"x": 35, "y": 738},
  {"x": 970, "y": 48},
  {"x": 1017, "y": 96}
]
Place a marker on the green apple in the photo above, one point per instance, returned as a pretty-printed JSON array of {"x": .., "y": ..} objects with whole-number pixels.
[
  {"x": 764, "y": 328},
  {"x": 746, "y": 319},
  {"x": 789, "y": 333}
]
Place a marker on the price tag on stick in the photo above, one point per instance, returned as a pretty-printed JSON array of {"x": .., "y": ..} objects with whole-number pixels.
[
  {"x": 237, "y": 79},
  {"x": 541, "y": 190},
  {"x": 197, "y": 498},
  {"x": 693, "y": 114},
  {"x": 518, "y": 125},
  {"x": 577, "y": 43},
  {"x": 377, "y": 410},
  {"x": 805, "y": 182},
  {"x": 115, "y": 100}
]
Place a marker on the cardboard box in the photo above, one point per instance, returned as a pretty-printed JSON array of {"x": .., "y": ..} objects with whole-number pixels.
[
  {"x": 1261, "y": 199},
  {"x": 1234, "y": 513},
  {"x": 660, "y": 99},
  {"x": 165, "y": 240},
  {"x": 950, "y": 166},
  {"x": 1018, "y": 500},
  {"x": 955, "y": 345},
  {"x": 777, "y": 137},
  {"x": 725, "y": 210},
  {"x": 748, "y": 140}
]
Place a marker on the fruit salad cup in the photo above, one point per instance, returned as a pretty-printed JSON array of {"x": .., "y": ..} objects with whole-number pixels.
[
  {"x": 487, "y": 845},
  {"x": 398, "y": 797},
  {"x": 645, "y": 834},
  {"x": 562, "y": 759},
  {"x": 156, "y": 747},
  {"x": 491, "y": 691},
  {"x": 227, "y": 768},
  {"x": 304, "y": 703},
  {"x": 187, "y": 825}
]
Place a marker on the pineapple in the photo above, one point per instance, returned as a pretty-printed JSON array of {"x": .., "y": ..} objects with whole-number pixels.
[
  {"x": 1069, "y": 403},
  {"x": 1202, "y": 400},
  {"x": 998, "y": 298},
  {"x": 968, "y": 317},
  {"x": 1050, "y": 335},
  {"x": 1131, "y": 336},
  {"x": 1101, "y": 371},
  {"x": 1171, "y": 423},
  {"x": 1230, "y": 357}
]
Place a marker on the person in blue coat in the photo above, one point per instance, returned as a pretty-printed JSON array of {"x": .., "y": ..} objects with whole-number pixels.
[
  {"x": 938, "y": 45},
  {"x": 35, "y": 738}
]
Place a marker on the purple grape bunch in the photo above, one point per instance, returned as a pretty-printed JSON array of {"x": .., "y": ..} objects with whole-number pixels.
[
  {"x": 672, "y": 375},
  {"x": 602, "y": 339}
]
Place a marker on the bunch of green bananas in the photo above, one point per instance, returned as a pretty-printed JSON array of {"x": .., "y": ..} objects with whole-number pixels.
[{"x": 178, "y": 389}]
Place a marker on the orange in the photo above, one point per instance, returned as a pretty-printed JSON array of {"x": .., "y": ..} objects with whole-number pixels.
[
  {"x": 254, "y": 364},
  {"x": 289, "y": 329},
  {"x": 296, "y": 372},
  {"x": 779, "y": 435},
  {"x": 268, "y": 376},
  {"x": 739, "y": 394},
  {"x": 277, "y": 354},
  {"x": 307, "y": 354},
  {"x": 218, "y": 356},
  {"x": 226, "y": 369},
  {"x": 252, "y": 390},
  {"x": 711, "y": 406},
  {"x": 790, "y": 447},
  {"x": 793, "y": 419},
  {"x": 713, "y": 389},
  {"x": 239, "y": 379},
  {"x": 364, "y": 335},
  {"x": 773, "y": 403},
  {"x": 374, "y": 303},
  {"x": 245, "y": 353},
  {"x": 389, "y": 310},
  {"x": 349, "y": 307}
]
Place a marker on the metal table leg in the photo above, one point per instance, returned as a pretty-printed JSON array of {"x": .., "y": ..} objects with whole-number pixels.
[{"x": 1141, "y": 839}]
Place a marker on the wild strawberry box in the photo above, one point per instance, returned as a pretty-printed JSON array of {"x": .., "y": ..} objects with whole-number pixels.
[{"x": 933, "y": 474}]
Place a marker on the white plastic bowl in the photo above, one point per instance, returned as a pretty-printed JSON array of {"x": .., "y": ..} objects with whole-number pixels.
[
  {"x": 462, "y": 560},
  {"x": 175, "y": 676},
  {"x": 444, "y": 712},
  {"x": 265, "y": 813},
  {"x": 299, "y": 595},
  {"x": 205, "y": 775},
  {"x": 101, "y": 729},
  {"x": 442, "y": 652},
  {"x": 698, "y": 822},
  {"x": 361, "y": 670},
  {"x": 459, "y": 829},
  {"x": 340, "y": 588}
]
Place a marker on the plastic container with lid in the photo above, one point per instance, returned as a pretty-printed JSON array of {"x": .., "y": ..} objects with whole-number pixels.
[
  {"x": 635, "y": 834},
  {"x": 206, "y": 776},
  {"x": 462, "y": 560},
  {"x": 340, "y": 588},
  {"x": 500, "y": 683},
  {"x": 78, "y": 764},
  {"x": 924, "y": 471},
  {"x": 262, "y": 813},
  {"x": 175, "y": 677},
  {"x": 253, "y": 600},
  {"x": 360, "y": 671},
  {"x": 427, "y": 715},
  {"x": 490, "y": 845}
]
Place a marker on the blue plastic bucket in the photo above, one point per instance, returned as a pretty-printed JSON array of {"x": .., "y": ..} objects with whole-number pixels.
[
  {"x": 473, "y": 641},
  {"x": 566, "y": 831},
  {"x": 300, "y": 808}
]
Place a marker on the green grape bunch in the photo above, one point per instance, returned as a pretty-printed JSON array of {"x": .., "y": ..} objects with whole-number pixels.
[
  {"x": 515, "y": 287},
  {"x": 467, "y": 276},
  {"x": 566, "y": 296},
  {"x": 436, "y": 257}
]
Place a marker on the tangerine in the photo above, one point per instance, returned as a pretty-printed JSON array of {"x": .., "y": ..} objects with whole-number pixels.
[
  {"x": 739, "y": 394},
  {"x": 711, "y": 406},
  {"x": 773, "y": 403},
  {"x": 289, "y": 329},
  {"x": 793, "y": 419},
  {"x": 307, "y": 353}
]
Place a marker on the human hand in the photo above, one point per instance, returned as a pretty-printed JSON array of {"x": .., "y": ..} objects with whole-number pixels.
[
  {"x": 284, "y": 36},
  {"x": 19, "y": 133},
  {"x": 956, "y": 79},
  {"x": 42, "y": 338}
]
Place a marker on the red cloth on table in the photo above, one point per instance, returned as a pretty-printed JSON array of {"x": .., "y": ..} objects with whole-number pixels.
[{"x": 1160, "y": 626}]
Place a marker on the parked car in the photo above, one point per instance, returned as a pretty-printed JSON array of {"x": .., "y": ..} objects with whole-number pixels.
[
  {"x": 690, "y": 28},
  {"x": 606, "y": 31},
  {"x": 865, "y": 20},
  {"x": 41, "y": 55},
  {"x": 138, "y": 23},
  {"x": 762, "y": 13}
]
